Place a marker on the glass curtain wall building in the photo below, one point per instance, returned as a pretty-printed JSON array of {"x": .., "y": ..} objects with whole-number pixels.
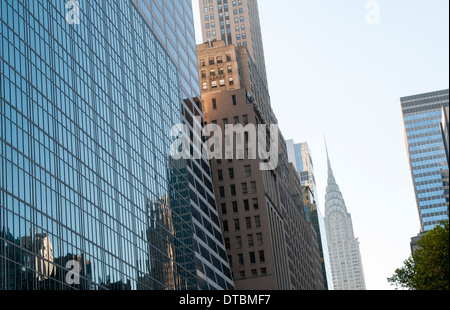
[
  {"x": 172, "y": 22},
  {"x": 422, "y": 116},
  {"x": 89, "y": 197}
]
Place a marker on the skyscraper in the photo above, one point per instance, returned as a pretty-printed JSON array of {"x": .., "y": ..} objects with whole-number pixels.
[
  {"x": 87, "y": 105},
  {"x": 426, "y": 147},
  {"x": 345, "y": 255},
  {"x": 300, "y": 156},
  {"x": 236, "y": 22},
  {"x": 445, "y": 130}
]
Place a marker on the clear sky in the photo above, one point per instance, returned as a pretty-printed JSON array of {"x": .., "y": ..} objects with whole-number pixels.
[{"x": 333, "y": 74}]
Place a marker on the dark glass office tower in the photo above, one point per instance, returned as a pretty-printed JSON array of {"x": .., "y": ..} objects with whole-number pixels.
[
  {"x": 422, "y": 116},
  {"x": 89, "y": 197}
]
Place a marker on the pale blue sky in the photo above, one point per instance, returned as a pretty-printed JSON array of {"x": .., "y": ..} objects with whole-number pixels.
[{"x": 330, "y": 73}]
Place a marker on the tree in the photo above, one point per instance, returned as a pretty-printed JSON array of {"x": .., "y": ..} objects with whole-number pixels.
[{"x": 428, "y": 267}]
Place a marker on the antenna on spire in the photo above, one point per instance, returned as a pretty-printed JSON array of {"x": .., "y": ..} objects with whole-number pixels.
[{"x": 326, "y": 147}]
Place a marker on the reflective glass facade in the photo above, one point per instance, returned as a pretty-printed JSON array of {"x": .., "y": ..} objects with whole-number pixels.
[
  {"x": 86, "y": 182},
  {"x": 172, "y": 22},
  {"x": 422, "y": 115}
]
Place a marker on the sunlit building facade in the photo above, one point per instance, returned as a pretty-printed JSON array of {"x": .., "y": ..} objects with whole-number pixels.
[
  {"x": 87, "y": 184},
  {"x": 236, "y": 22},
  {"x": 343, "y": 246},
  {"x": 427, "y": 153}
]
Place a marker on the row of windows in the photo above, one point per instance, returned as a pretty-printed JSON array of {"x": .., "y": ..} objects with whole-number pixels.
[
  {"x": 244, "y": 189},
  {"x": 218, "y": 83},
  {"x": 220, "y": 71}
]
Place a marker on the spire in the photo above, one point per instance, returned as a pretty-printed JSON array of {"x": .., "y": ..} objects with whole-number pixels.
[
  {"x": 333, "y": 194},
  {"x": 330, "y": 171}
]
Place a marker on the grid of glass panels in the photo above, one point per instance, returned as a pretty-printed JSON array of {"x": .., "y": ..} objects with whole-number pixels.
[
  {"x": 172, "y": 22},
  {"x": 86, "y": 185},
  {"x": 422, "y": 117}
]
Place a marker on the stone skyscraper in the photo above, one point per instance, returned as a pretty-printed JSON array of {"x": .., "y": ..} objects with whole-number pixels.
[
  {"x": 269, "y": 241},
  {"x": 345, "y": 255},
  {"x": 236, "y": 22}
]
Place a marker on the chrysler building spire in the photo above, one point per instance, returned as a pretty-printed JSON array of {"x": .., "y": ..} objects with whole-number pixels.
[{"x": 345, "y": 256}]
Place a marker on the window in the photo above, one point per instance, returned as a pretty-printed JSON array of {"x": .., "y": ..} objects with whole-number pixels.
[
  {"x": 221, "y": 72},
  {"x": 219, "y": 59},
  {"x": 233, "y": 97},
  {"x": 211, "y": 61},
  {"x": 214, "y": 84},
  {"x": 259, "y": 239},
  {"x": 262, "y": 257},
  {"x": 231, "y": 81},
  {"x": 225, "y": 226},
  {"x": 233, "y": 190},
  {"x": 203, "y": 74},
  {"x": 231, "y": 173},
  {"x": 228, "y": 58},
  {"x": 252, "y": 258},
  {"x": 214, "y": 104},
  {"x": 244, "y": 189},
  {"x": 222, "y": 192},
  {"x": 212, "y": 72},
  {"x": 237, "y": 225},
  {"x": 250, "y": 241},
  {"x": 246, "y": 205},
  {"x": 241, "y": 260},
  {"x": 227, "y": 243},
  {"x": 221, "y": 82},
  {"x": 255, "y": 204},
  {"x": 253, "y": 187},
  {"x": 224, "y": 208},
  {"x": 248, "y": 171},
  {"x": 248, "y": 223},
  {"x": 238, "y": 242},
  {"x": 235, "y": 207},
  {"x": 220, "y": 175},
  {"x": 257, "y": 221}
]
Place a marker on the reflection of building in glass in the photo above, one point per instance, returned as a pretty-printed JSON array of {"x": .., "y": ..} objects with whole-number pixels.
[
  {"x": 30, "y": 264},
  {"x": 42, "y": 249},
  {"x": 161, "y": 236},
  {"x": 85, "y": 118},
  {"x": 423, "y": 118}
]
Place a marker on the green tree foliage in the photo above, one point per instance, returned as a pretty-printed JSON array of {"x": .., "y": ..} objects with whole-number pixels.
[{"x": 428, "y": 267}]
